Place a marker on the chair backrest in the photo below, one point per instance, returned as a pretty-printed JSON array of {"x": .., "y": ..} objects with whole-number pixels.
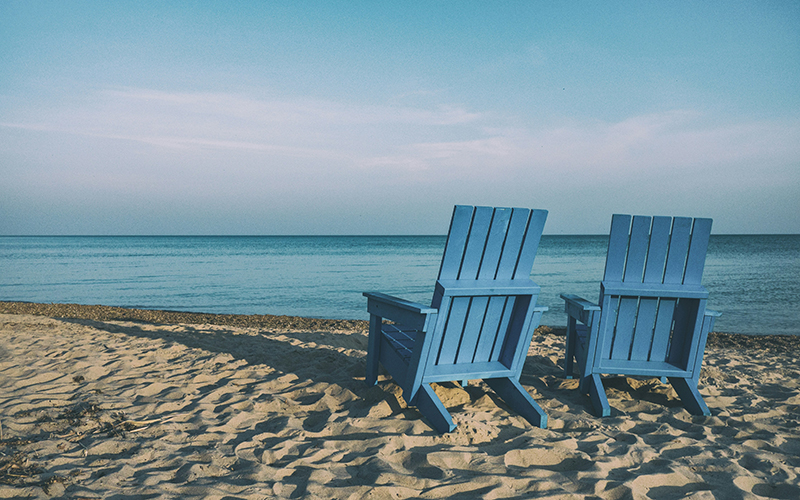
[
  {"x": 491, "y": 243},
  {"x": 651, "y": 295},
  {"x": 486, "y": 244}
]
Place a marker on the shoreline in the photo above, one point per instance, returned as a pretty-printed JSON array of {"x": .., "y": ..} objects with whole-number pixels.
[
  {"x": 165, "y": 317},
  {"x": 766, "y": 342}
]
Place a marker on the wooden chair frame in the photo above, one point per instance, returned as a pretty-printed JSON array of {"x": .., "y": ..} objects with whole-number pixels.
[
  {"x": 481, "y": 319},
  {"x": 651, "y": 319}
]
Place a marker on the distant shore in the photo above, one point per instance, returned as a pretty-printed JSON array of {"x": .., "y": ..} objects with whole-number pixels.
[{"x": 775, "y": 343}]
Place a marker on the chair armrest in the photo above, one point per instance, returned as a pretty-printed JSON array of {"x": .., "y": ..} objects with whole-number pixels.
[
  {"x": 715, "y": 314},
  {"x": 399, "y": 303},
  {"x": 579, "y": 308},
  {"x": 579, "y": 302},
  {"x": 400, "y": 311}
]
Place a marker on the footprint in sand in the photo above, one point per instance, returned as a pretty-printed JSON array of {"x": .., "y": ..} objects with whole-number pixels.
[
  {"x": 767, "y": 490},
  {"x": 553, "y": 459}
]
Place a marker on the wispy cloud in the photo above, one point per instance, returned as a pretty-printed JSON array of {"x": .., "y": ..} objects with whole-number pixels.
[
  {"x": 287, "y": 111},
  {"x": 667, "y": 142},
  {"x": 299, "y": 127},
  {"x": 439, "y": 140}
]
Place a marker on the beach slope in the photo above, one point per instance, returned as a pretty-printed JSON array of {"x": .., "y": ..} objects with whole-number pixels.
[{"x": 96, "y": 406}]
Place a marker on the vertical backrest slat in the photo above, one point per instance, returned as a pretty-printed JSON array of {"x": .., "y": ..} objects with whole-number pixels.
[
  {"x": 451, "y": 337},
  {"x": 697, "y": 252},
  {"x": 678, "y": 245},
  {"x": 494, "y": 243},
  {"x": 517, "y": 229},
  {"x": 502, "y": 328},
  {"x": 617, "y": 247},
  {"x": 662, "y": 329},
  {"x": 608, "y": 322},
  {"x": 657, "y": 254},
  {"x": 456, "y": 242},
  {"x": 494, "y": 317},
  {"x": 623, "y": 333},
  {"x": 472, "y": 330},
  {"x": 643, "y": 332},
  {"x": 476, "y": 243},
  {"x": 637, "y": 249},
  {"x": 530, "y": 245}
]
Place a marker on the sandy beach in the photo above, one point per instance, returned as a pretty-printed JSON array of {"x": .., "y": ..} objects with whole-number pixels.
[{"x": 100, "y": 402}]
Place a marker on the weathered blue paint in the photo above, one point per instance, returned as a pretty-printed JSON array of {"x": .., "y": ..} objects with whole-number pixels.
[
  {"x": 651, "y": 319},
  {"x": 480, "y": 321}
]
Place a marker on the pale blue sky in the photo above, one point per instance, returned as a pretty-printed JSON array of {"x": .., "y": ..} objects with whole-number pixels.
[{"x": 377, "y": 117}]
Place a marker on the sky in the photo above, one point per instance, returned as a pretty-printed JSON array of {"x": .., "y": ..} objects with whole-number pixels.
[{"x": 352, "y": 117}]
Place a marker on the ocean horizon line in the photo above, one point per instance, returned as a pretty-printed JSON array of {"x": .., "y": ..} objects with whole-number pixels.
[{"x": 317, "y": 235}]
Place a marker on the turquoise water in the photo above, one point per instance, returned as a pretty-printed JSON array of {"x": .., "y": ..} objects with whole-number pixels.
[{"x": 753, "y": 280}]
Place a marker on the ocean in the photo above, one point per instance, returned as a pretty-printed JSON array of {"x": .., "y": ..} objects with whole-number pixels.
[{"x": 753, "y": 280}]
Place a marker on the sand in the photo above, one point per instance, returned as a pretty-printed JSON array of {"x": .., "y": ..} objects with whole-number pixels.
[{"x": 108, "y": 403}]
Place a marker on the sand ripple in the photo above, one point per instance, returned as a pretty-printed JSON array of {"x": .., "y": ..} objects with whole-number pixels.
[{"x": 104, "y": 409}]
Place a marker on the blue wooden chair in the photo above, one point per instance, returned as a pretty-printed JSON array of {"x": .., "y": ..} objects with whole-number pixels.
[
  {"x": 652, "y": 318},
  {"x": 480, "y": 321}
]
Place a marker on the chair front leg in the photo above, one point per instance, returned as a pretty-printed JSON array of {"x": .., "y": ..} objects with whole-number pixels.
[
  {"x": 519, "y": 400},
  {"x": 690, "y": 396},
  {"x": 431, "y": 407},
  {"x": 570, "y": 348},
  {"x": 373, "y": 349},
  {"x": 597, "y": 393}
]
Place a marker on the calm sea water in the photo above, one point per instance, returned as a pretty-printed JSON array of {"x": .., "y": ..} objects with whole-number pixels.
[{"x": 753, "y": 280}]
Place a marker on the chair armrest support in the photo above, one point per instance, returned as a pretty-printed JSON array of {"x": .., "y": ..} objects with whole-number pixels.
[
  {"x": 579, "y": 308},
  {"x": 401, "y": 311}
]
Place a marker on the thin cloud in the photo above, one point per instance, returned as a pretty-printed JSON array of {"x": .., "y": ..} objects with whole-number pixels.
[
  {"x": 287, "y": 111},
  {"x": 439, "y": 140},
  {"x": 673, "y": 141},
  {"x": 298, "y": 128}
]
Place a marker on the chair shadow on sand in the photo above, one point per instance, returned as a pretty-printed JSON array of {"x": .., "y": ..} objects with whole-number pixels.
[
  {"x": 338, "y": 359},
  {"x": 311, "y": 356}
]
